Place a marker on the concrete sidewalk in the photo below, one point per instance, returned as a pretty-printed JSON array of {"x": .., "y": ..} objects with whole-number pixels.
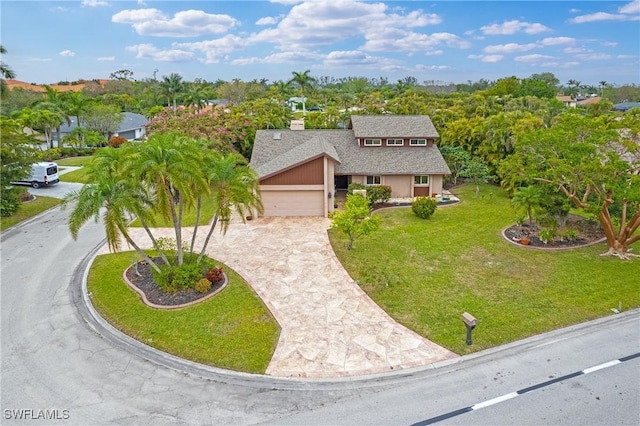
[{"x": 330, "y": 327}]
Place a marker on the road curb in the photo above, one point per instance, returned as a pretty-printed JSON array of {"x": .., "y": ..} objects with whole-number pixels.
[{"x": 97, "y": 324}]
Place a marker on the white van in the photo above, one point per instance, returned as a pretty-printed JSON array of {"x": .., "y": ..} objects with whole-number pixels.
[{"x": 42, "y": 174}]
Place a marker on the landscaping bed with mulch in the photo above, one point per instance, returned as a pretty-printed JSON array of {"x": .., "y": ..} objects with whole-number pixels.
[
  {"x": 145, "y": 282},
  {"x": 586, "y": 232}
]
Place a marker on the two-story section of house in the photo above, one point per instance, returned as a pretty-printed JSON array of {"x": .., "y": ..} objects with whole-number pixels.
[{"x": 301, "y": 170}]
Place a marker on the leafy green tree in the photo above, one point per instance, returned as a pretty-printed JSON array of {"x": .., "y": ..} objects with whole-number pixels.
[
  {"x": 581, "y": 157},
  {"x": 356, "y": 218},
  {"x": 457, "y": 159},
  {"x": 16, "y": 157},
  {"x": 40, "y": 119},
  {"x": 476, "y": 172},
  {"x": 104, "y": 119}
]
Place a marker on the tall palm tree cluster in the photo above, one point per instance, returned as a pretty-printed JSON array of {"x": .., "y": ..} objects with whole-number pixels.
[{"x": 163, "y": 178}]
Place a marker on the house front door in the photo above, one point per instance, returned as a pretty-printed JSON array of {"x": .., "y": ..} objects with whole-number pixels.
[{"x": 342, "y": 181}]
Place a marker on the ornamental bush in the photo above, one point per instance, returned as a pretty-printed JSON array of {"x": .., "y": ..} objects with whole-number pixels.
[
  {"x": 116, "y": 141},
  {"x": 424, "y": 207},
  {"x": 203, "y": 285},
  {"x": 378, "y": 194},
  {"x": 214, "y": 275}
]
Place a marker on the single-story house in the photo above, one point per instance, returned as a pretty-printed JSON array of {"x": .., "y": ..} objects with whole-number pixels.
[
  {"x": 301, "y": 170},
  {"x": 132, "y": 126},
  {"x": 568, "y": 101}
]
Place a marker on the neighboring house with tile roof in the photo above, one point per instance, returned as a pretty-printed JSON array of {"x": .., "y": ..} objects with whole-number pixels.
[
  {"x": 301, "y": 170},
  {"x": 568, "y": 101}
]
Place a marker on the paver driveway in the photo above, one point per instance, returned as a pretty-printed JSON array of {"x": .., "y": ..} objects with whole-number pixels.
[{"x": 330, "y": 327}]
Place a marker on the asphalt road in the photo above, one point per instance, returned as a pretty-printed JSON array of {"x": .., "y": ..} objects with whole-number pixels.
[{"x": 54, "y": 358}]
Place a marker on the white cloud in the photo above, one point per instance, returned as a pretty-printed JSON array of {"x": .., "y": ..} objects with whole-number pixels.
[
  {"x": 67, "y": 53},
  {"x": 107, "y": 58},
  {"x": 532, "y": 58},
  {"x": 215, "y": 50},
  {"x": 142, "y": 3},
  {"x": 510, "y": 48},
  {"x": 39, "y": 59},
  {"x": 603, "y": 16},
  {"x": 354, "y": 58},
  {"x": 554, "y": 41},
  {"x": 631, "y": 8},
  {"x": 188, "y": 23},
  {"x": 512, "y": 27},
  {"x": 432, "y": 67},
  {"x": 487, "y": 58},
  {"x": 280, "y": 58},
  {"x": 574, "y": 10},
  {"x": 595, "y": 56},
  {"x": 574, "y": 50},
  {"x": 326, "y": 22},
  {"x": 148, "y": 51},
  {"x": 609, "y": 43},
  {"x": 434, "y": 52},
  {"x": 93, "y": 3},
  {"x": 566, "y": 64},
  {"x": 267, "y": 20},
  {"x": 393, "y": 40},
  {"x": 626, "y": 56}
]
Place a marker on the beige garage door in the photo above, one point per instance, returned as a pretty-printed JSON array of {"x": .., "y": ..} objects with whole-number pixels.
[{"x": 293, "y": 203}]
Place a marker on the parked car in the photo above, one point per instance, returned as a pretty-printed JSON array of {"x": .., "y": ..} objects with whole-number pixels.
[{"x": 42, "y": 174}]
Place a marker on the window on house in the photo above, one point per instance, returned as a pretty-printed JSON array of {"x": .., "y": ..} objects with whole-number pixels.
[
  {"x": 417, "y": 142},
  {"x": 421, "y": 180},
  {"x": 374, "y": 180},
  {"x": 372, "y": 142},
  {"x": 395, "y": 142}
]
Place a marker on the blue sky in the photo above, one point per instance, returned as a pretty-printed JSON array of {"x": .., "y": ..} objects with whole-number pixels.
[{"x": 446, "y": 41}]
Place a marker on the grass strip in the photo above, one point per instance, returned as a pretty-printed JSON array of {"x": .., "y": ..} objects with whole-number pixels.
[
  {"x": 232, "y": 330},
  {"x": 426, "y": 273}
]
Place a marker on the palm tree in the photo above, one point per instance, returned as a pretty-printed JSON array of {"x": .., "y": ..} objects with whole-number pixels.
[
  {"x": 169, "y": 165},
  {"x": 56, "y": 103},
  {"x": 6, "y": 72},
  {"x": 172, "y": 86},
  {"x": 197, "y": 96},
  {"x": 114, "y": 193},
  {"x": 529, "y": 199},
  {"x": 305, "y": 83},
  {"x": 235, "y": 187},
  {"x": 603, "y": 84}
]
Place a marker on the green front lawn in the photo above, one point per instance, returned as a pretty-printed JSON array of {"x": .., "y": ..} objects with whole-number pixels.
[
  {"x": 232, "y": 330},
  {"x": 28, "y": 210},
  {"x": 79, "y": 176},
  {"x": 426, "y": 273},
  {"x": 74, "y": 161}
]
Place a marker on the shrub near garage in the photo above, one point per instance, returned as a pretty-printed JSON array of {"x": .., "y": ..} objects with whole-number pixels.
[{"x": 424, "y": 207}]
